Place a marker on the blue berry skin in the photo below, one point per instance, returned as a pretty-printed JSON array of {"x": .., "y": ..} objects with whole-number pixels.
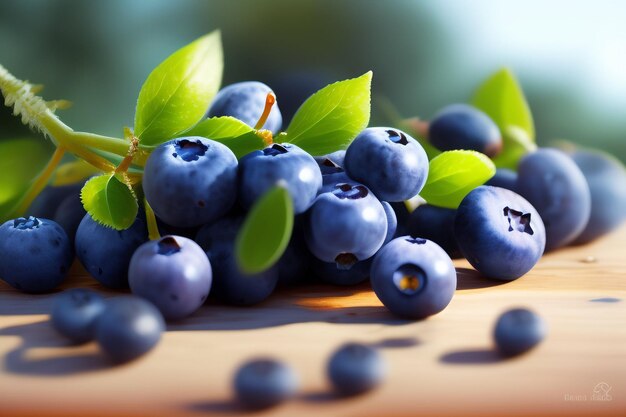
[
  {"x": 246, "y": 101},
  {"x": 230, "y": 284},
  {"x": 261, "y": 170},
  {"x": 294, "y": 265},
  {"x": 47, "y": 202},
  {"x": 606, "y": 177},
  {"x": 331, "y": 163},
  {"x": 331, "y": 273},
  {"x": 75, "y": 313},
  {"x": 128, "y": 328},
  {"x": 499, "y": 232},
  {"x": 329, "y": 181},
  {"x": 35, "y": 254},
  {"x": 69, "y": 214},
  {"x": 517, "y": 331},
  {"x": 173, "y": 273},
  {"x": 460, "y": 126},
  {"x": 556, "y": 187},
  {"x": 413, "y": 277},
  {"x": 355, "y": 369},
  {"x": 436, "y": 224},
  {"x": 346, "y": 225},
  {"x": 403, "y": 217},
  {"x": 504, "y": 178},
  {"x": 264, "y": 383},
  {"x": 389, "y": 162},
  {"x": 392, "y": 221},
  {"x": 190, "y": 181},
  {"x": 105, "y": 253}
]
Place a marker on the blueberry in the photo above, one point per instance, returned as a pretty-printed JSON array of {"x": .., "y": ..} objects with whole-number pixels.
[
  {"x": 246, "y": 102},
  {"x": 331, "y": 163},
  {"x": 554, "y": 184},
  {"x": 190, "y": 181},
  {"x": 355, "y": 368},
  {"x": 35, "y": 254},
  {"x": 436, "y": 224},
  {"x": 230, "y": 284},
  {"x": 263, "y": 169},
  {"x": 75, "y": 312},
  {"x": 606, "y": 177},
  {"x": 499, "y": 232},
  {"x": 329, "y": 181},
  {"x": 517, "y": 331},
  {"x": 264, "y": 383},
  {"x": 402, "y": 217},
  {"x": 69, "y": 214},
  {"x": 173, "y": 273},
  {"x": 413, "y": 277},
  {"x": 346, "y": 225},
  {"x": 294, "y": 264},
  {"x": 504, "y": 178},
  {"x": 460, "y": 126},
  {"x": 392, "y": 221},
  {"x": 128, "y": 328},
  {"x": 331, "y": 273},
  {"x": 105, "y": 253},
  {"x": 389, "y": 162},
  {"x": 47, "y": 202}
]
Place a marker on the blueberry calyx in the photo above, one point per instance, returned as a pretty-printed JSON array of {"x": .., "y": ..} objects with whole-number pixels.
[
  {"x": 189, "y": 150},
  {"x": 416, "y": 240},
  {"x": 351, "y": 192},
  {"x": 168, "y": 246},
  {"x": 518, "y": 221},
  {"x": 409, "y": 279},
  {"x": 23, "y": 223},
  {"x": 331, "y": 164},
  {"x": 275, "y": 149},
  {"x": 345, "y": 261},
  {"x": 397, "y": 137}
]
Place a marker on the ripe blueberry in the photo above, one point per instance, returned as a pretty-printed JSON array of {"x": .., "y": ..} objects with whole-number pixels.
[
  {"x": 264, "y": 383},
  {"x": 75, "y": 312},
  {"x": 517, "y": 331},
  {"x": 355, "y": 368}
]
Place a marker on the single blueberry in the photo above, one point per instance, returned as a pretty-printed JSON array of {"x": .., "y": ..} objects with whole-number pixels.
[
  {"x": 264, "y": 383},
  {"x": 413, "y": 277},
  {"x": 436, "y": 224},
  {"x": 504, "y": 178},
  {"x": 75, "y": 313},
  {"x": 69, "y": 214},
  {"x": 331, "y": 163},
  {"x": 355, "y": 368},
  {"x": 517, "y": 331},
  {"x": 499, "y": 232}
]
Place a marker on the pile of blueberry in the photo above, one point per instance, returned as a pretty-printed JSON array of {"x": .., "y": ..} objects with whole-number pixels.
[{"x": 351, "y": 224}]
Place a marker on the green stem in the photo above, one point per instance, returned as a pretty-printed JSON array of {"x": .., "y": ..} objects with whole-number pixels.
[
  {"x": 38, "y": 184},
  {"x": 105, "y": 143},
  {"x": 153, "y": 228}
]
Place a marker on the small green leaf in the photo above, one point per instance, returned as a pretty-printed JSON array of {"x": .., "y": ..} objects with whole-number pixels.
[
  {"x": 515, "y": 144},
  {"x": 501, "y": 97},
  {"x": 110, "y": 202},
  {"x": 332, "y": 117},
  {"x": 73, "y": 172},
  {"x": 266, "y": 231},
  {"x": 238, "y": 136},
  {"x": 178, "y": 92},
  {"x": 20, "y": 161},
  {"x": 453, "y": 174}
]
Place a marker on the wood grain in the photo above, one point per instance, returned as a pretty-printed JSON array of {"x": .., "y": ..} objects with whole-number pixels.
[{"x": 441, "y": 366}]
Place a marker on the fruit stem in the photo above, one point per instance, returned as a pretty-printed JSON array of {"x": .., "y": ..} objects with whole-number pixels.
[
  {"x": 153, "y": 228},
  {"x": 38, "y": 184},
  {"x": 128, "y": 159},
  {"x": 270, "y": 99}
]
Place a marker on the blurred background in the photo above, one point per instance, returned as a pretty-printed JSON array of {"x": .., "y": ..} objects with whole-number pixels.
[{"x": 570, "y": 57}]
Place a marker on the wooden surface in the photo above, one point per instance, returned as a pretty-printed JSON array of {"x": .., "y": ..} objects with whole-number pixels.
[{"x": 441, "y": 366}]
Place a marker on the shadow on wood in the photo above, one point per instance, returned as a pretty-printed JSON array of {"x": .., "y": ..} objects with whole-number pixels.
[
  {"x": 471, "y": 357},
  {"x": 470, "y": 279}
]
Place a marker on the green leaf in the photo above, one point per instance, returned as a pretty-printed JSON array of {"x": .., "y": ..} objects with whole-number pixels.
[
  {"x": 73, "y": 172},
  {"x": 453, "y": 174},
  {"x": 20, "y": 161},
  {"x": 110, "y": 202},
  {"x": 178, "y": 92},
  {"x": 332, "y": 117},
  {"x": 501, "y": 97},
  {"x": 266, "y": 231},
  {"x": 238, "y": 136},
  {"x": 515, "y": 144}
]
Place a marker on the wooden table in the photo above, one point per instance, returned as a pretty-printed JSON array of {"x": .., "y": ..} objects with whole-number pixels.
[{"x": 441, "y": 366}]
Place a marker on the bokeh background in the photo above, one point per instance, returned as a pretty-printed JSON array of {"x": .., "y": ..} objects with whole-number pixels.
[{"x": 570, "y": 56}]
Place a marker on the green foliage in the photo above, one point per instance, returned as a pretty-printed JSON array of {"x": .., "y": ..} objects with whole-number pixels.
[
  {"x": 453, "y": 174},
  {"x": 515, "y": 144},
  {"x": 110, "y": 202},
  {"x": 238, "y": 136}
]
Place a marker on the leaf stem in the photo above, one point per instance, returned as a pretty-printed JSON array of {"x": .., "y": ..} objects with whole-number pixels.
[
  {"x": 38, "y": 184},
  {"x": 153, "y": 228}
]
